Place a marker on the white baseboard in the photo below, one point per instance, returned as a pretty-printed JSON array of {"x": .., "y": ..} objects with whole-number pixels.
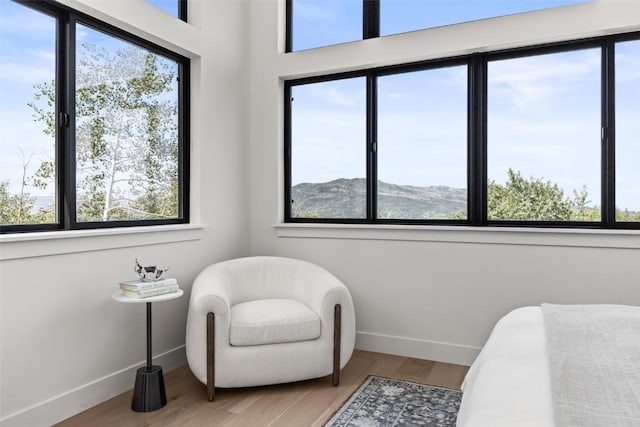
[
  {"x": 420, "y": 349},
  {"x": 84, "y": 397}
]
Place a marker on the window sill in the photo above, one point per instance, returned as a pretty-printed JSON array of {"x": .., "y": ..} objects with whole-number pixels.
[
  {"x": 30, "y": 245},
  {"x": 571, "y": 237}
]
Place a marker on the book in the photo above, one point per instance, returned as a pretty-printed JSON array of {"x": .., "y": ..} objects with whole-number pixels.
[
  {"x": 144, "y": 293},
  {"x": 138, "y": 285}
]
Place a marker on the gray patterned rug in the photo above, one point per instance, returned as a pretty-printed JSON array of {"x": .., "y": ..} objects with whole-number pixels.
[{"x": 384, "y": 402}]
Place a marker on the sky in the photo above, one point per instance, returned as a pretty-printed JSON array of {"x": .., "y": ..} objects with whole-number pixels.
[{"x": 543, "y": 112}]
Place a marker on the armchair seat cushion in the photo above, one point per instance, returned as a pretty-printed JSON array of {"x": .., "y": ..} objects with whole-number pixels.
[{"x": 272, "y": 321}]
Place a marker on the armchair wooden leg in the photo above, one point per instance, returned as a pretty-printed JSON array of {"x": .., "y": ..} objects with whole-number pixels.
[
  {"x": 211, "y": 331},
  {"x": 337, "y": 318}
]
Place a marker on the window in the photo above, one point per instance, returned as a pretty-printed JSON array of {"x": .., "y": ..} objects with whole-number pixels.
[
  {"x": 328, "y": 170},
  {"x": 541, "y": 136},
  {"x": 627, "y": 131},
  {"x": 177, "y": 8},
  {"x": 98, "y": 142},
  {"x": 422, "y": 144},
  {"x": 544, "y": 137},
  {"x": 27, "y": 140},
  {"x": 317, "y": 23}
]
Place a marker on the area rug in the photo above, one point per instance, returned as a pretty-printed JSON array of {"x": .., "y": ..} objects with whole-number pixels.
[{"x": 385, "y": 402}]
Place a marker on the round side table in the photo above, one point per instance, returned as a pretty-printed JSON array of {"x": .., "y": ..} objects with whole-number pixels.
[{"x": 149, "y": 393}]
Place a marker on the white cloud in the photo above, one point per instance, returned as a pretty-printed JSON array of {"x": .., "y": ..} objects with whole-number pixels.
[
  {"x": 529, "y": 80},
  {"x": 311, "y": 11},
  {"x": 25, "y": 73}
]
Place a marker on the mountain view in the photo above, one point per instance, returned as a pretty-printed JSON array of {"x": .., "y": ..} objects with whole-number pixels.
[{"x": 346, "y": 198}]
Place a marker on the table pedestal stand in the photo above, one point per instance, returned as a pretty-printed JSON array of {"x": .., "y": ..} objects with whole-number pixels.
[{"x": 149, "y": 393}]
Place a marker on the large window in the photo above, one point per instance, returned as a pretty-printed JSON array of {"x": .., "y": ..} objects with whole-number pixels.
[
  {"x": 538, "y": 136},
  {"x": 317, "y": 23},
  {"x": 93, "y": 128}
]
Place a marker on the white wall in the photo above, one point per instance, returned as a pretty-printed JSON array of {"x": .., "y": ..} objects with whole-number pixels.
[
  {"x": 431, "y": 292},
  {"x": 65, "y": 344}
]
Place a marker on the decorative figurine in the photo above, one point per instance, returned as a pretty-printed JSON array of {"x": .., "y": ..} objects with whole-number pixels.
[{"x": 149, "y": 273}]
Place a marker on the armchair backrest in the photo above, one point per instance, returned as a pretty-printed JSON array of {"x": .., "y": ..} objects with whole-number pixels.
[{"x": 265, "y": 277}]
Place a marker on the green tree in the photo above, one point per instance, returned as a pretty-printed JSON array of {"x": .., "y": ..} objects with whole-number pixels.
[
  {"x": 627, "y": 215},
  {"x": 14, "y": 208},
  {"x": 527, "y": 199},
  {"x": 582, "y": 208}
]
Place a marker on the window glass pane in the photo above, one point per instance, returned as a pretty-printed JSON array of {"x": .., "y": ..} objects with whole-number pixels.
[
  {"x": 399, "y": 16},
  {"x": 27, "y": 111},
  {"x": 328, "y": 150},
  {"x": 170, "y": 6},
  {"x": 319, "y": 23},
  {"x": 126, "y": 131},
  {"x": 628, "y": 131},
  {"x": 422, "y": 144},
  {"x": 544, "y": 137}
]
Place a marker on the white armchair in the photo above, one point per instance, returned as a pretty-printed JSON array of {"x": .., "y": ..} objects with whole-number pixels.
[{"x": 267, "y": 320}]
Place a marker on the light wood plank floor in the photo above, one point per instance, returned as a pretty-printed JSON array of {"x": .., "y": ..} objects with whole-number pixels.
[{"x": 300, "y": 404}]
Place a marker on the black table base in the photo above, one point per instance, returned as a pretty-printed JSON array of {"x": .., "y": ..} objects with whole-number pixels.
[{"x": 148, "y": 393}]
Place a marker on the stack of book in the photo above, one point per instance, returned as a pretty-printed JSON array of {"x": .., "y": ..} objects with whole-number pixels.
[{"x": 140, "y": 289}]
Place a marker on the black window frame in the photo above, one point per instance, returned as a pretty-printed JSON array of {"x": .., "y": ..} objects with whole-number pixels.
[
  {"x": 183, "y": 14},
  {"x": 65, "y": 183},
  {"x": 477, "y": 178}
]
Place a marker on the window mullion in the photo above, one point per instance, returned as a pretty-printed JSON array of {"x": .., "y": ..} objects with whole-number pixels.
[
  {"x": 371, "y": 147},
  {"x": 66, "y": 130},
  {"x": 477, "y": 141},
  {"x": 287, "y": 151},
  {"x": 608, "y": 134},
  {"x": 183, "y": 10},
  {"x": 370, "y": 19},
  {"x": 184, "y": 166}
]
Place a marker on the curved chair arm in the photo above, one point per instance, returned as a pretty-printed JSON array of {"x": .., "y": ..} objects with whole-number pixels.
[{"x": 211, "y": 293}]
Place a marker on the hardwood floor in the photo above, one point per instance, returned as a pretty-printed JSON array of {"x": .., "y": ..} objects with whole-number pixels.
[{"x": 300, "y": 404}]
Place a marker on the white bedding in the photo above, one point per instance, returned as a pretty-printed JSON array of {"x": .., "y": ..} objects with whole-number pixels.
[
  {"x": 508, "y": 385},
  {"x": 594, "y": 359}
]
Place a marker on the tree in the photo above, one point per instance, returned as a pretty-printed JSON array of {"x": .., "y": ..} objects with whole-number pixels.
[
  {"x": 14, "y": 208},
  {"x": 582, "y": 209},
  {"x": 126, "y": 134},
  {"x": 527, "y": 199}
]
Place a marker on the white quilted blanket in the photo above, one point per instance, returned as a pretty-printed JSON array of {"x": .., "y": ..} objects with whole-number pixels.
[{"x": 594, "y": 359}]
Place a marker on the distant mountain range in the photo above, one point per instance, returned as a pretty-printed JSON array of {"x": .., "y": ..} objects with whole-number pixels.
[{"x": 346, "y": 198}]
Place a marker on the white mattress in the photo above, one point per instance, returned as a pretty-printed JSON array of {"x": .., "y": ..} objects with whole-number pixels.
[{"x": 508, "y": 384}]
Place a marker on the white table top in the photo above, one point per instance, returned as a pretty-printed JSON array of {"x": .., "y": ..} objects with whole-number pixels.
[{"x": 118, "y": 296}]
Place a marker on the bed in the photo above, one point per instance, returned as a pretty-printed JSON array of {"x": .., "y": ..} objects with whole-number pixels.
[{"x": 528, "y": 359}]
